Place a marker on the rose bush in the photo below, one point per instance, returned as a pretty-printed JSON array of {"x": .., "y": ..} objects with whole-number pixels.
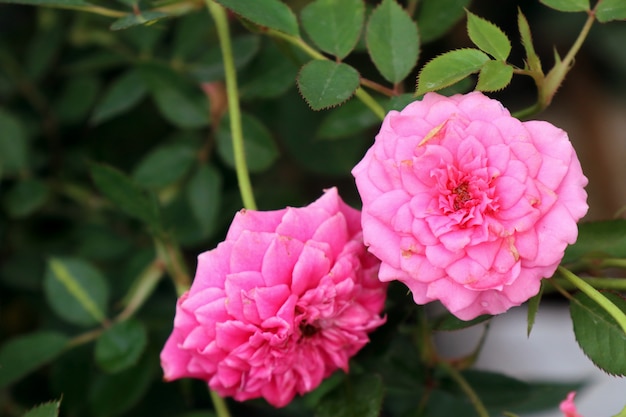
[
  {"x": 468, "y": 205},
  {"x": 283, "y": 302}
]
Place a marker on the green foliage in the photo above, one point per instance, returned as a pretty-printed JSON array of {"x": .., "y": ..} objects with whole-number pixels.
[
  {"x": 25, "y": 197},
  {"x": 13, "y": 144},
  {"x": 269, "y": 13},
  {"x": 488, "y": 37},
  {"x": 50, "y": 409},
  {"x": 121, "y": 95},
  {"x": 326, "y": 84},
  {"x": 608, "y": 10},
  {"x": 567, "y": 5},
  {"x": 436, "y": 17},
  {"x": 165, "y": 165},
  {"x": 204, "y": 194},
  {"x": 598, "y": 334},
  {"x": 494, "y": 76},
  {"x": 120, "y": 346},
  {"x": 392, "y": 41},
  {"x": 598, "y": 240},
  {"x": 133, "y": 19},
  {"x": 532, "y": 59},
  {"x": 359, "y": 396},
  {"x": 450, "y": 68}
]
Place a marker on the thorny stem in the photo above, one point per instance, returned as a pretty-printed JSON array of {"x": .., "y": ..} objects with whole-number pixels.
[
  {"x": 466, "y": 388},
  {"x": 361, "y": 94},
  {"x": 234, "y": 111},
  {"x": 596, "y": 296}
]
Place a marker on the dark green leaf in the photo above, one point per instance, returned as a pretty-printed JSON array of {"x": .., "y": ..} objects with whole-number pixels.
[
  {"x": 598, "y": 334},
  {"x": 361, "y": 396},
  {"x": 76, "y": 291},
  {"x": 122, "y": 95},
  {"x": 259, "y": 146},
  {"x": 269, "y": 75},
  {"x": 210, "y": 65},
  {"x": 608, "y": 10},
  {"x": 50, "y": 409},
  {"x": 22, "y": 355},
  {"x": 326, "y": 84},
  {"x": 449, "y": 68},
  {"x": 568, "y": 5},
  {"x": 544, "y": 395},
  {"x": 77, "y": 98},
  {"x": 23, "y": 271},
  {"x": 121, "y": 345},
  {"x": 42, "y": 51},
  {"x": 204, "y": 196},
  {"x": 494, "y": 76},
  {"x": 133, "y": 19},
  {"x": 436, "y": 17},
  {"x": 533, "y": 307},
  {"x": 126, "y": 194},
  {"x": 165, "y": 165},
  {"x": 599, "y": 239},
  {"x": 532, "y": 59},
  {"x": 179, "y": 101},
  {"x": 25, "y": 197},
  {"x": 334, "y": 25},
  {"x": 392, "y": 41},
  {"x": 52, "y": 3},
  {"x": 273, "y": 14},
  {"x": 13, "y": 144},
  {"x": 351, "y": 118},
  {"x": 191, "y": 34},
  {"x": 488, "y": 37},
  {"x": 449, "y": 322}
]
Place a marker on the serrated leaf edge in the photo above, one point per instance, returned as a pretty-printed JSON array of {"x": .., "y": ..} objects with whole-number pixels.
[{"x": 332, "y": 106}]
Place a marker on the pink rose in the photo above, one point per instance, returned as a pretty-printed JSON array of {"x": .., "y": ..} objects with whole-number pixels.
[
  {"x": 466, "y": 204},
  {"x": 282, "y": 303},
  {"x": 567, "y": 406}
]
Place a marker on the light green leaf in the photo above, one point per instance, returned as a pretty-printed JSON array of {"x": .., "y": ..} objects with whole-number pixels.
[
  {"x": 334, "y": 25},
  {"x": 325, "y": 84},
  {"x": 273, "y": 14},
  {"x": 76, "y": 291},
  {"x": 392, "y": 41},
  {"x": 494, "y": 76},
  {"x": 13, "y": 144},
  {"x": 436, "y": 17},
  {"x": 532, "y": 59},
  {"x": 204, "y": 196},
  {"x": 621, "y": 413},
  {"x": 121, "y": 345},
  {"x": 449, "y": 68},
  {"x": 133, "y": 19},
  {"x": 121, "y": 95},
  {"x": 347, "y": 120},
  {"x": 568, "y": 5},
  {"x": 164, "y": 165},
  {"x": 259, "y": 146},
  {"x": 24, "y": 354},
  {"x": 598, "y": 334},
  {"x": 126, "y": 194},
  {"x": 26, "y": 197},
  {"x": 608, "y": 10},
  {"x": 488, "y": 37},
  {"x": 50, "y": 409},
  {"x": 179, "y": 101},
  {"x": 362, "y": 398}
]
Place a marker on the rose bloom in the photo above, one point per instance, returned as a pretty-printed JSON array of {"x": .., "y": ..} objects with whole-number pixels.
[
  {"x": 282, "y": 303},
  {"x": 466, "y": 204},
  {"x": 567, "y": 406}
]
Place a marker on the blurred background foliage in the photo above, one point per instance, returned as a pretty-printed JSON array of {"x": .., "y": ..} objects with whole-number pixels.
[{"x": 114, "y": 140}]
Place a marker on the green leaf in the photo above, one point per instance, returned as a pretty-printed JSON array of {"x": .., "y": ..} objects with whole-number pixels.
[
  {"x": 449, "y": 322},
  {"x": 494, "y": 76},
  {"x": 26, "y": 197},
  {"x": 189, "y": 37},
  {"x": 132, "y": 19},
  {"x": 121, "y": 95},
  {"x": 347, "y": 120},
  {"x": 361, "y": 396},
  {"x": 52, "y": 3},
  {"x": 125, "y": 194},
  {"x": 449, "y": 68},
  {"x": 77, "y": 98},
  {"x": 269, "y": 75},
  {"x": 488, "y": 37},
  {"x": 599, "y": 239},
  {"x": 259, "y": 146},
  {"x": 204, "y": 197},
  {"x": 392, "y": 41},
  {"x": 621, "y": 413},
  {"x": 76, "y": 291},
  {"x": 608, "y": 10},
  {"x": 533, "y": 307},
  {"x": 164, "y": 165},
  {"x": 180, "y": 102},
  {"x": 568, "y": 5},
  {"x": 334, "y": 25},
  {"x": 325, "y": 84},
  {"x": 598, "y": 334},
  {"x": 210, "y": 65},
  {"x": 24, "y": 354},
  {"x": 42, "y": 52},
  {"x": 50, "y": 409},
  {"x": 544, "y": 395},
  {"x": 13, "y": 144},
  {"x": 436, "y": 17},
  {"x": 121, "y": 345},
  {"x": 273, "y": 14},
  {"x": 532, "y": 59}
]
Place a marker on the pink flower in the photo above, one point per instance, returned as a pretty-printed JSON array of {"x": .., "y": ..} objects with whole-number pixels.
[
  {"x": 466, "y": 204},
  {"x": 567, "y": 406},
  {"x": 282, "y": 303}
]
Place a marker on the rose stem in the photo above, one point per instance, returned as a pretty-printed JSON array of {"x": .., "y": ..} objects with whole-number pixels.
[
  {"x": 234, "y": 113},
  {"x": 465, "y": 387},
  {"x": 596, "y": 296}
]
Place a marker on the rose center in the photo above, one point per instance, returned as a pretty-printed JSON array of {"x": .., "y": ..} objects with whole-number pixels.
[
  {"x": 461, "y": 195},
  {"x": 308, "y": 329}
]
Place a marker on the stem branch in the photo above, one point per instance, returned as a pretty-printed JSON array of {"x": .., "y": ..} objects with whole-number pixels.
[{"x": 466, "y": 388}]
